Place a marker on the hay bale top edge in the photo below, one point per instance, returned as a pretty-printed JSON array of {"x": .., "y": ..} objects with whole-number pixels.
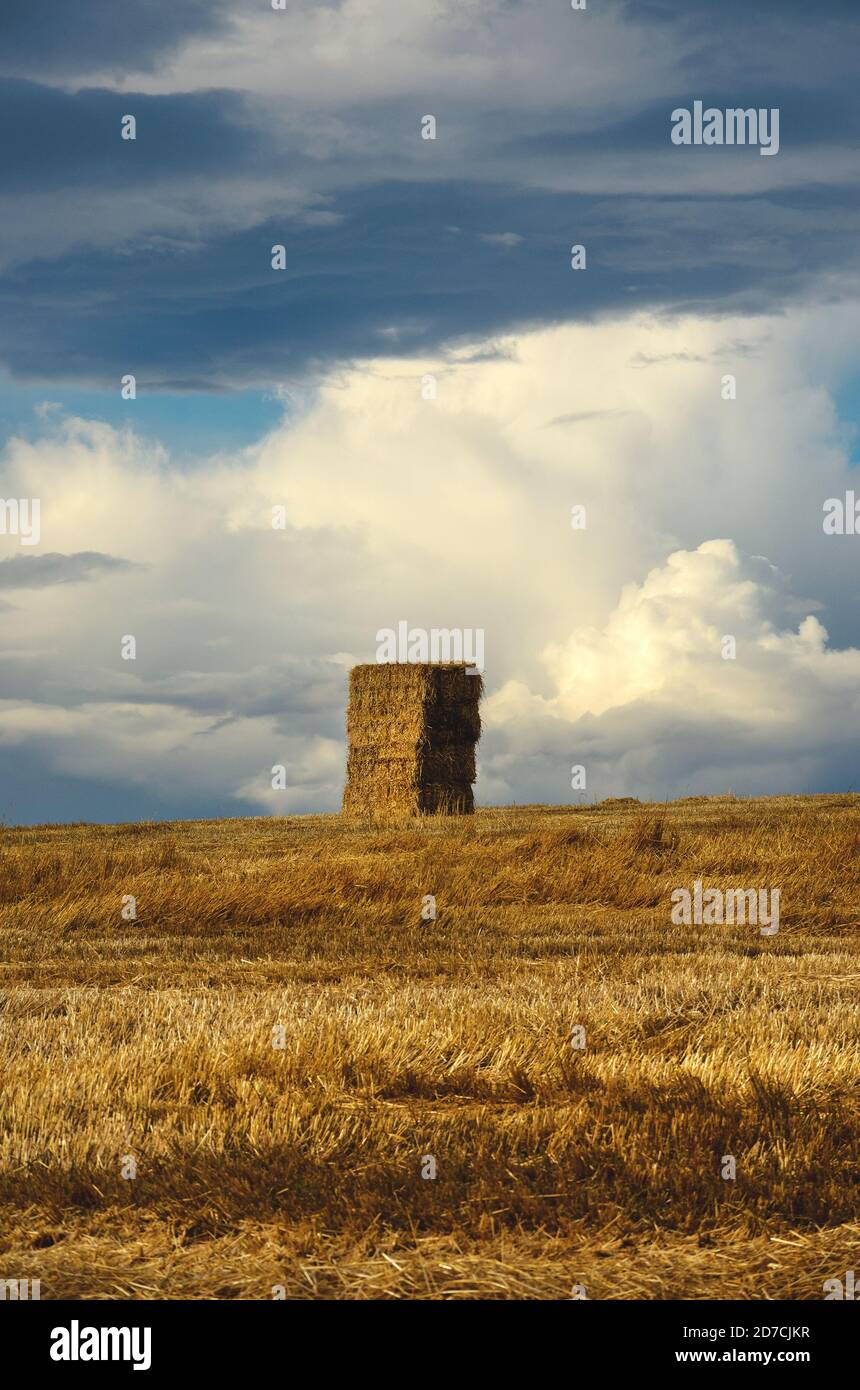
[{"x": 413, "y": 666}]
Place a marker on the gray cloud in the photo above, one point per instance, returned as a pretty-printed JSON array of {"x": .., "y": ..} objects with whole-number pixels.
[
  {"x": 553, "y": 126},
  {"x": 42, "y": 571},
  {"x": 256, "y": 128},
  {"x": 101, "y": 32},
  {"x": 578, "y": 417}
]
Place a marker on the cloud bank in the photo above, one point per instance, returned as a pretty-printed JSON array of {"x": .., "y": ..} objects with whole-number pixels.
[
  {"x": 302, "y": 127},
  {"x": 603, "y": 644}
]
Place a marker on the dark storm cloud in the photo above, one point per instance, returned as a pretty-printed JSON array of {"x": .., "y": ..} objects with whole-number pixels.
[
  {"x": 807, "y": 118},
  {"x": 113, "y": 34},
  {"x": 391, "y": 277},
  {"x": 66, "y": 141},
  {"x": 153, "y": 256}
]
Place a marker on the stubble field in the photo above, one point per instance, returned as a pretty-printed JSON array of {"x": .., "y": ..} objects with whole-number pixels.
[{"x": 152, "y": 1047}]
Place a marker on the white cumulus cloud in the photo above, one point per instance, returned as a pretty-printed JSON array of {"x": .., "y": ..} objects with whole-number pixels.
[{"x": 602, "y": 645}]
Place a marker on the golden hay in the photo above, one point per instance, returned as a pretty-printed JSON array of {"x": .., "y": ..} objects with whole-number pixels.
[
  {"x": 412, "y": 731},
  {"x": 261, "y": 1165}
]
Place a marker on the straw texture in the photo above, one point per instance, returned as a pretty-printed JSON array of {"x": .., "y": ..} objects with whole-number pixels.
[{"x": 412, "y": 730}]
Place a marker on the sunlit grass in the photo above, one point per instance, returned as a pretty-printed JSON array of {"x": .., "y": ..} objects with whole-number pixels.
[{"x": 301, "y": 1165}]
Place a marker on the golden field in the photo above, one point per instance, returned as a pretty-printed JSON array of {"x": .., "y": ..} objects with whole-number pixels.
[{"x": 301, "y": 1166}]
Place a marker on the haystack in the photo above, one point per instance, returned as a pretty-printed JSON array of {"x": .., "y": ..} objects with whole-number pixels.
[{"x": 412, "y": 732}]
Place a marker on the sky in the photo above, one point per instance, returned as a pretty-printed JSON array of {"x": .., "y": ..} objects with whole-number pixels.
[{"x": 410, "y": 261}]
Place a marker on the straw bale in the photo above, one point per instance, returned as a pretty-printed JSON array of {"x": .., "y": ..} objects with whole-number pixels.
[{"x": 412, "y": 730}]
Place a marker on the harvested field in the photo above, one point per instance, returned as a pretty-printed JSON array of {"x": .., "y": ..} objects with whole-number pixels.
[{"x": 260, "y": 1165}]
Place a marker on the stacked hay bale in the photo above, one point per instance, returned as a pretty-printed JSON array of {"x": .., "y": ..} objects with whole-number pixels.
[{"x": 412, "y": 732}]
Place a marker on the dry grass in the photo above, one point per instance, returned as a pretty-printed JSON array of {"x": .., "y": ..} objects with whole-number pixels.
[{"x": 301, "y": 1166}]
